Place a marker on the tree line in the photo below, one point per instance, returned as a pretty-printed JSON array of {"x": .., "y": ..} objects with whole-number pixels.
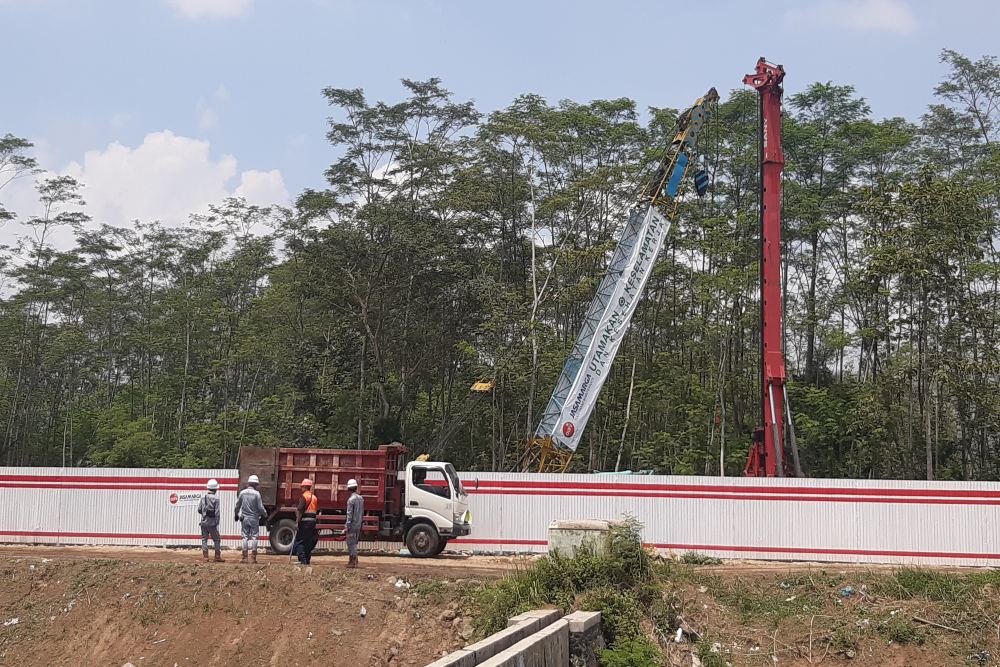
[{"x": 451, "y": 246}]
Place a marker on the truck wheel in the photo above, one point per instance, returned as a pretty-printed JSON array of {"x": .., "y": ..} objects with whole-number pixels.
[
  {"x": 441, "y": 545},
  {"x": 281, "y": 535},
  {"x": 422, "y": 541}
]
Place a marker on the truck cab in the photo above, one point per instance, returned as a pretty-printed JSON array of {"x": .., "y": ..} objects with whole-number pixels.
[{"x": 436, "y": 507}]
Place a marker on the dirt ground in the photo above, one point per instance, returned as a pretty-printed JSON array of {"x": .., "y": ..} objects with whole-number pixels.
[
  {"x": 756, "y": 614},
  {"x": 151, "y": 607}
]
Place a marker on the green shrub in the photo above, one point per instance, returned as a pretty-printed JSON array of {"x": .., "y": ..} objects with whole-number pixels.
[
  {"x": 633, "y": 652},
  {"x": 618, "y": 582},
  {"x": 916, "y": 583},
  {"x": 900, "y": 630},
  {"x": 695, "y": 558},
  {"x": 620, "y": 612}
]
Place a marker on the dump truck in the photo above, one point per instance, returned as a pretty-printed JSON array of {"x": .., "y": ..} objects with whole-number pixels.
[{"x": 421, "y": 503}]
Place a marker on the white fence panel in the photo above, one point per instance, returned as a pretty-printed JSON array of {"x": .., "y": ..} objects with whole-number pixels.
[{"x": 788, "y": 519}]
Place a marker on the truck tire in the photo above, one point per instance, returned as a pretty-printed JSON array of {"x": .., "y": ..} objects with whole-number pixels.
[
  {"x": 422, "y": 541},
  {"x": 280, "y": 535},
  {"x": 441, "y": 545}
]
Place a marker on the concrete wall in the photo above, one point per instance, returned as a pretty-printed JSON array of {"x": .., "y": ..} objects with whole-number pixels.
[
  {"x": 549, "y": 647},
  {"x": 518, "y": 628}
]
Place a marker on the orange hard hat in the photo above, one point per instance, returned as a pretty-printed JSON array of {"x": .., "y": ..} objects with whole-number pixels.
[{"x": 306, "y": 482}]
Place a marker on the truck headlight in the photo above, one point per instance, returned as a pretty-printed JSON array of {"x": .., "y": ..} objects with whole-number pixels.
[{"x": 467, "y": 518}]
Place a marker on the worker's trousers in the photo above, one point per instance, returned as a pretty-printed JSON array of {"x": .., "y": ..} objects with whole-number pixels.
[
  {"x": 353, "y": 537},
  {"x": 213, "y": 532},
  {"x": 305, "y": 541},
  {"x": 251, "y": 533}
]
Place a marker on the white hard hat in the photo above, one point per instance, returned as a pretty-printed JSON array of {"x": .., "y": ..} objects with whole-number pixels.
[
  {"x": 253, "y": 480},
  {"x": 212, "y": 485},
  {"x": 352, "y": 483}
]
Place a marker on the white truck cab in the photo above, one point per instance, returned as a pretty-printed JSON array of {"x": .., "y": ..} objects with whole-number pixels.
[{"x": 436, "y": 507}]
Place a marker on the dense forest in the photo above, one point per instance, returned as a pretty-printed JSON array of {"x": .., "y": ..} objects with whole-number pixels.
[{"x": 451, "y": 246}]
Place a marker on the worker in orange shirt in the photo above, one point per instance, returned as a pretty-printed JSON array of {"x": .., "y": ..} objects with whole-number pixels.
[{"x": 305, "y": 521}]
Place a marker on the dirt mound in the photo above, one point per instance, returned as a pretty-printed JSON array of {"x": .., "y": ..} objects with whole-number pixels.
[{"x": 177, "y": 611}]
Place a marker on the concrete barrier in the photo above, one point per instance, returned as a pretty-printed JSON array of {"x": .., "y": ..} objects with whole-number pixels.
[
  {"x": 539, "y": 617},
  {"x": 518, "y": 628},
  {"x": 549, "y": 647},
  {"x": 538, "y": 638},
  {"x": 585, "y": 637},
  {"x": 459, "y": 658}
]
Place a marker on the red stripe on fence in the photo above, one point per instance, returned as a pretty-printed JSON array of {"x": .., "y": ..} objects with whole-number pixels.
[
  {"x": 827, "y": 552},
  {"x": 729, "y": 488},
  {"x": 123, "y": 536},
  {"x": 119, "y": 487},
  {"x": 120, "y": 479},
  {"x": 745, "y": 496}
]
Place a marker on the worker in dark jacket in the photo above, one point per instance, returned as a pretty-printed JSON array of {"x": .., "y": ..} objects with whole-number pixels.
[
  {"x": 208, "y": 509},
  {"x": 305, "y": 522},
  {"x": 352, "y": 525}
]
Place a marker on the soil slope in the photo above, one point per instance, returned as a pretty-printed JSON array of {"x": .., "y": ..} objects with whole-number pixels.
[{"x": 157, "y": 607}]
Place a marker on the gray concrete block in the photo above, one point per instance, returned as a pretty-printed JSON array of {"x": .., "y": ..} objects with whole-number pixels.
[
  {"x": 581, "y": 621},
  {"x": 549, "y": 647},
  {"x": 569, "y": 537},
  {"x": 585, "y": 638},
  {"x": 459, "y": 658},
  {"x": 497, "y": 642},
  {"x": 539, "y": 617}
]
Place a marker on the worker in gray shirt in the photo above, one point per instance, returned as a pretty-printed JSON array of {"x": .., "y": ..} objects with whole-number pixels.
[
  {"x": 352, "y": 525},
  {"x": 249, "y": 513},
  {"x": 208, "y": 509}
]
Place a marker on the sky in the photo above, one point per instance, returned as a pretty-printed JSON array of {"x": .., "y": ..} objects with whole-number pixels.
[{"x": 161, "y": 107}]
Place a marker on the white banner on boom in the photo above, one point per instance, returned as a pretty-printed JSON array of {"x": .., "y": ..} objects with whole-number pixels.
[{"x": 610, "y": 331}]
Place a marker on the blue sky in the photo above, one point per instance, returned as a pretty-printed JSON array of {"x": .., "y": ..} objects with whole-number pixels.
[{"x": 162, "y": 105}]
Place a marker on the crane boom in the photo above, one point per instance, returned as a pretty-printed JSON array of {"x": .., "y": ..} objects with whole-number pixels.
[
  {"x": 576, "y": 391},
  {"x": 766, "y": 457}
]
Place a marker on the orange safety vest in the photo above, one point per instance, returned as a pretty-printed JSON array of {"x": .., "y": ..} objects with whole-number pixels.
[{"x": 312, "y": 504}]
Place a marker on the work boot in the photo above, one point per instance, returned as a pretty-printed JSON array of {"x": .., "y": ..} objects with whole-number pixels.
[
  {"x": 253, "y": 556},
  {"x": 204, "y": 555},
  {"x": 352, "y": 562},
  {"x": 218, "y": 556},
  {"x": 244, "y": 558}
]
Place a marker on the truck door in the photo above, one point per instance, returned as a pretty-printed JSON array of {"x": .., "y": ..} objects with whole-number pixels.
[{"x": 429, "y": 494}]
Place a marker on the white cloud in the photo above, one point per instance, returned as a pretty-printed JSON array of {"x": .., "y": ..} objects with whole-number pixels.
[
  {"x": 262, "y": 187},
  {"x": 165, "y": 178},
  {"x": 862, "y": 15},
  {"x": 212, "y": 9}
]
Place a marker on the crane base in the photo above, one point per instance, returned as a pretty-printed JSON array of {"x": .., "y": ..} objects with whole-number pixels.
[{"x": 544, "y": 456}]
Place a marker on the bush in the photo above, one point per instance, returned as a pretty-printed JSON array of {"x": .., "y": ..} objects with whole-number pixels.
[
  {"x": 900, "y": 630},
  {"x": 620, "y": 612},
  {"x": 634, "y": 652},
  {"x": 695, "y": 558},
  {"x": 618, "y": 583}
]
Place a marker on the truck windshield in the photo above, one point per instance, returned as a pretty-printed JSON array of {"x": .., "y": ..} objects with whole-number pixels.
[{"x": 455, "y": 482}]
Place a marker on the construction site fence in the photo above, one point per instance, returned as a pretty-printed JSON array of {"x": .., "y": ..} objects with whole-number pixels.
[{"x": 898, "y": 522}]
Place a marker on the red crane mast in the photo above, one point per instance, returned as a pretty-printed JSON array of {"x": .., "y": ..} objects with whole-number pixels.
[{"x": 767, "y": 450}]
